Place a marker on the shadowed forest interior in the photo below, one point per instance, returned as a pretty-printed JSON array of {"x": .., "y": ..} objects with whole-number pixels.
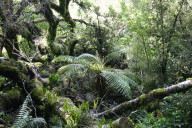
[{"x": 95, "y": 64}]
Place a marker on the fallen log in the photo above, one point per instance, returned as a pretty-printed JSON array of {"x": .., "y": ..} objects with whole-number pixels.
[{"x": 153, "y": 95}]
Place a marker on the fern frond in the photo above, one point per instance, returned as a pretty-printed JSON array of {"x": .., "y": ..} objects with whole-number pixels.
[
  {"x": 36, "y": 123},
  {"x": 72, "y": 69},
  {"x": 24, "y": 112},
  {"x": 119, "y": 82},
  {"x": 23, "y": 120},
  {"x": 132, "y": 76},
  {"x": 30, "y": 122},
  {"x": 134, "y": 80},
  {"x": 69, "y": 59},
  {"x": 90, "y": 58}
]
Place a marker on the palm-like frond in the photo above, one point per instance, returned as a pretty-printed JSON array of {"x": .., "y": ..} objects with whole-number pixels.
[
  {"x": 132, "y": 76},
  {"x": 68, "y": 59},
  {"x": 90, "y": 58},
  {"x": 119, "y": 82},
  {"x": 72, "y": 69}
]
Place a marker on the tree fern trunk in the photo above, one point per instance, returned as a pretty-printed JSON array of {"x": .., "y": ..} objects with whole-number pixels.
[{"x": 100, "y": 86}]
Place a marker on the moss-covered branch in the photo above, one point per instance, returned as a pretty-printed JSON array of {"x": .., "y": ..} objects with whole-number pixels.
[
  {"x": 16, "y": 75},
  {"x": 147, "y": 98}
]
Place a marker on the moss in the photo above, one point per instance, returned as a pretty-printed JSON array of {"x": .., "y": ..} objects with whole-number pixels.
[
  {"x": 142, "y": 98},
  {"x": 14, "y": 93},
  {"x": 11, "y": 72},
  {"x": 158, "y": 91}
]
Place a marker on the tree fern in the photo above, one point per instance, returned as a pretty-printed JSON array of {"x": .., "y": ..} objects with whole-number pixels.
[
  {"x": 115, "y": 78},
  {"x": 24, "y": 120}
]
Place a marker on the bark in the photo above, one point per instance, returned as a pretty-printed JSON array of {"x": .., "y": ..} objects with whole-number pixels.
[
  {"x": 1, "y": 48},
  {"x": 147, "y": 98},
  {"x": 53, "y": 23},
  {"x": 166, "y": 39},
  {"x": 63, "y": 10}
]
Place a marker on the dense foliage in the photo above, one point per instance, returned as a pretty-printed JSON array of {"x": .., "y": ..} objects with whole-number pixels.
[{"x": 64, "y": 62}]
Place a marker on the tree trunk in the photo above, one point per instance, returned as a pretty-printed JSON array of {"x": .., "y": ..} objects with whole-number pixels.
[
  {"x": 100, "y": 86},
  {"x": 1, "y": 49},
  {"x": 147, "y": 98}
]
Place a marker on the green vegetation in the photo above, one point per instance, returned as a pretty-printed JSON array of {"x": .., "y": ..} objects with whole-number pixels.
[{"x": 73, "y": 64}]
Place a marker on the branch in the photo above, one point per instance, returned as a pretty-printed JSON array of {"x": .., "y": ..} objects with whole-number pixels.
[
  {"x": 61, "y": 20},
  {"x": 84, "y": 22},
  {"x": 8, "y": 70},
  {"x": 23, "y": 5},
  {"x": 147, "y": 98},
  {"x": 55, "y": 7}
]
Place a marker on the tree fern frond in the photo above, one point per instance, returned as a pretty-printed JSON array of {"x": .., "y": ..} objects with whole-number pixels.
[
  {"x": 90, "y": 58},
  {"x": 118, "y": 82},
  {"x": 69, "y": 59},
  {"x": 127, "y": 76},
  {"x": 132, "y": 76},
  {"x": 71, "y": 69}
]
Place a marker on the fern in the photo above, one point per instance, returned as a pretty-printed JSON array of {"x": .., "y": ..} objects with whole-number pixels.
[
  {"x": 71, "y": 69},
  {"x": 24, "y": 120},
  {"x": 59, "y": 59},
  {"x": 119, "y": 82},
  {"x": 118, "y": 79},
  {"x": 90, "y": 58}
]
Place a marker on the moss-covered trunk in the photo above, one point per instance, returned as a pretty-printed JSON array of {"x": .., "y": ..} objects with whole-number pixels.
[
  {"x": 46, "y": 102},
  {"x": 147, "y": 98}
]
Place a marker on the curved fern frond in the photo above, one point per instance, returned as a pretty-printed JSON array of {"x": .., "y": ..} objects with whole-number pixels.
[
  {"x": 24, "y": 112},
  {"x": 90, "y": 58},
  {"x": 36, "y": 123},
  {"x": 135, "y": 79},
  {"x": 119, "y": 82},
  {"x": 23, "y": 120},
  {"x": 132, "y": 76},
  {"x": 69, "y": 59},
  {"x": 72, "y": 69}
]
